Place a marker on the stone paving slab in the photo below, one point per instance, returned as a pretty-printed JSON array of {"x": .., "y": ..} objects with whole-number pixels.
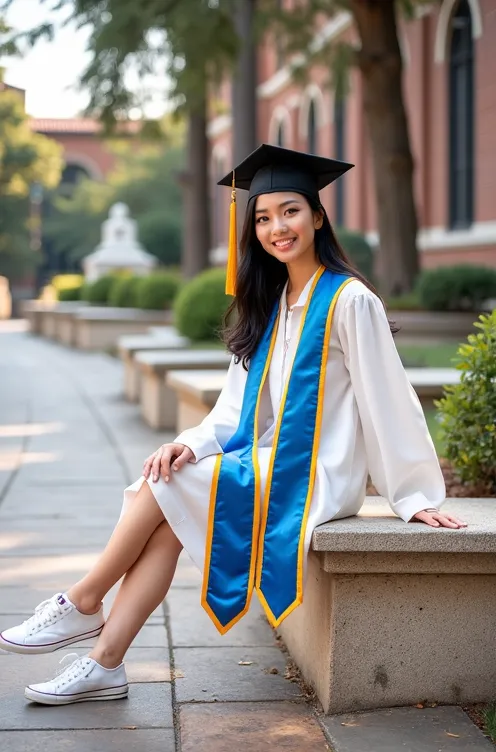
[
  {"x": 442, "y": 729},
  {"x": 256, "y": 727},
  {"x": 215, "y": 675},
  {"x": 143, "y": 665},
  {"x": 148, "y": 706},
  {"x": 192, "y": 627},
  {"x": 120, "y": 740}
]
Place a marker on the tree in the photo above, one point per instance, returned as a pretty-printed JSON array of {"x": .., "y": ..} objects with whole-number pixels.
[
  {"x": 26, "y": 160},
  {"x": 193, "y": 41},
  {"x": 378, "y": 58}
]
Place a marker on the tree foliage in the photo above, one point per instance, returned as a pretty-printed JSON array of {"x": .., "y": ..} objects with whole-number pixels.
[
  {"x": 147, "y": 182},
  {"x": 26, "y": 158}
]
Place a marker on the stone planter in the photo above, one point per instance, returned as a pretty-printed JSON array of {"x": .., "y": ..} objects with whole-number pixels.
[
  {"x": 424, "y": 327},
  {"x": 100, "y": 328}
]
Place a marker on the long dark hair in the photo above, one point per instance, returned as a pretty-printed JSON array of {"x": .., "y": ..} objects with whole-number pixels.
[{"x": 261, "y": 279}]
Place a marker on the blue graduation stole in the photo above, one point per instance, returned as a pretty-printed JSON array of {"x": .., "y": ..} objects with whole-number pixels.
[{"x": 245, "y": 549}]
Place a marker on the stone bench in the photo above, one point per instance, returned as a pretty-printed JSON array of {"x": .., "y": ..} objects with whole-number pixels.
[
  {"x": 100, "y": 328},
  {"x": 198, "y": 391},
  {"x": 157, "y": 399},
  {"x": 43, "y": 317},
  {"x": 396, "y": 613},
  {"x": 158, "y": 338}
]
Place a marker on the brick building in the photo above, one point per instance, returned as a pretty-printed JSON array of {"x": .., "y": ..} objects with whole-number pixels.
[
  {"x": 85, "y": 151},
  {"x": 449, "y": 54}
]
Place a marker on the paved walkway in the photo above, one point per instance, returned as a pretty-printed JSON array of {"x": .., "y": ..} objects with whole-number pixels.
[{"x": 69, "y": 444}]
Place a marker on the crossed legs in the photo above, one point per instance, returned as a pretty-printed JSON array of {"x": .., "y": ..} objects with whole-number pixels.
[{"x": 145, "y": 550}]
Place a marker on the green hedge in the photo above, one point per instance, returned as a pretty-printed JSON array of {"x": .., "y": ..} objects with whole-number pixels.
[
  {"x": 359, "y": 251},
  {"x": 123, "y": 292},
  {"x": 467, "y": 414},
  {"x": 69, "y": 293},
  {"x": 157, "y": 291},
  {"x": 456, "y": 288},
  {"x": 98, "y": 291},
  {"x": 201, "y": 304}
]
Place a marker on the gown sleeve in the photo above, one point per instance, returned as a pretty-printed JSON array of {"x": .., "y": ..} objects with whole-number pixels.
[
  {"x": 213, "y": 433},
  {"x": 402, "y": 460}
]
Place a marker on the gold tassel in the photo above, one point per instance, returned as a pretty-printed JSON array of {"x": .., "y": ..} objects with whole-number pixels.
[{"x": 232, "y": 249}]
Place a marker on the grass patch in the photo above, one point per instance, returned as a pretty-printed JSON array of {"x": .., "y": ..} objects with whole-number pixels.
[
  {"x": 434, "y": 430},
  {"x": 489, "y": 718},
  {"x": 428, "y": 356}
]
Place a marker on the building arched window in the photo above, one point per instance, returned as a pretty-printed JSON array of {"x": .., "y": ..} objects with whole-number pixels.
[
  {"x": 339, "y": 151},
  {"x": 280, "y": 133},
  {"x": 312, "y": 128},
  {"x": 461, "y": 119}
]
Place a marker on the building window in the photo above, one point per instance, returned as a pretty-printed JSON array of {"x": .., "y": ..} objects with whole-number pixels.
[
  {"x": 461, "y": 119},
  {"x": 312, "y": 128},
  {"x": 280, "y": 133},
  {"x": 339, "y": 151}
]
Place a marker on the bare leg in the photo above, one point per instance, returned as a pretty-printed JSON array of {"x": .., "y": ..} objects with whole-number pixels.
[
  {"x": 143, "y": 589},
  {"x": 124, "y": 547}
]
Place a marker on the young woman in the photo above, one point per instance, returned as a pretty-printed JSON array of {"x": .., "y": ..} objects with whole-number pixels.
[{"x": 315, "y": 398}]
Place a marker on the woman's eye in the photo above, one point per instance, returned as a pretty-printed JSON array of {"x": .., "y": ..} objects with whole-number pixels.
[
  {"x": 260, "y": 219},
  {"x": 292, "y": 210}
]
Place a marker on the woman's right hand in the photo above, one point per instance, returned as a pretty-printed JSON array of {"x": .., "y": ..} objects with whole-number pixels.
[{"x": 159, "y": 463}]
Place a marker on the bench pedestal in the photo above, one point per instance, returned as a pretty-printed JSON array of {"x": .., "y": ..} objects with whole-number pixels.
[{"x": 385, "y": 628}]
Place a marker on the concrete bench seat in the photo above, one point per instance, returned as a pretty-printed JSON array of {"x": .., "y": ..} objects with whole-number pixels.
[
  {"x": 396, "y": 613},
  {"x": 158, "y": 400},
  {"x": 198, "y": 391},
  {"x": 161, "y": 338},
  {"x": 100, "y": 328}
]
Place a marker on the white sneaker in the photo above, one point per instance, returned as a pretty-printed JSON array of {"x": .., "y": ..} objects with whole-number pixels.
[
  {"x": 84, "y": 680},
  {"x": 55, "y": 624}
]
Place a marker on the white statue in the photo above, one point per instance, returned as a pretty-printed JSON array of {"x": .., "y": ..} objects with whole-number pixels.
[{"x": 119, "y": 249}]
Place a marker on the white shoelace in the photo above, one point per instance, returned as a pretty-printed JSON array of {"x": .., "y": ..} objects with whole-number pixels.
[
  {"x": 78, "y": 667},
  {"x": 47, "y": 612}
]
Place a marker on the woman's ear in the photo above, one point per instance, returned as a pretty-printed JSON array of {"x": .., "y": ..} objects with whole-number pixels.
[{"x": 318, "y": 219}]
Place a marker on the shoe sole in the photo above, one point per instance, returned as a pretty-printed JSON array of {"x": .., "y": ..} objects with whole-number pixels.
[
  {"x": 12, "y": 647},
  {"x": 99, "y": 694}
]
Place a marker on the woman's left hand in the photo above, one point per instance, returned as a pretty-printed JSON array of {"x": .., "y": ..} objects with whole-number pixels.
[{"x": 438, "y": 519}]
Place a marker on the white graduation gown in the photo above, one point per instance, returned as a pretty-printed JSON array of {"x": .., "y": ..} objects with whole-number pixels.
[{"x": 372, "y": 422}]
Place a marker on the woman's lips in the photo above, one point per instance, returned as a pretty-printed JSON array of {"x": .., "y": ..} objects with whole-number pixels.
[{"x": 284, "y": 245}]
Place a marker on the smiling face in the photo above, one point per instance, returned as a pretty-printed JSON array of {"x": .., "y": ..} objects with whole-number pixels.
[{"x": 285, "y": 226}]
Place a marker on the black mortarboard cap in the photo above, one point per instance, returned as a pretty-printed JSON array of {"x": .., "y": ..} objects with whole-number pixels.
[{"x": 270, "y": 169}]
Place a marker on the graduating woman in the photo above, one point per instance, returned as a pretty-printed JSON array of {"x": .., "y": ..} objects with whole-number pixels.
[{"x": 316, "y": 397}]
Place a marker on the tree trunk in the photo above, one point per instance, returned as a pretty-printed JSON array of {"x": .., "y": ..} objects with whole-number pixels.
[
  {"x": 381, "y": 66},
  {"x": 244, "y": 93},
  {"x": 196, "y": 236}
]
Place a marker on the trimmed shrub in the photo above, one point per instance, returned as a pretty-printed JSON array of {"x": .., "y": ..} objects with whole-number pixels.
[
  {"x": 98, "y": 291},
  {"x": 467, "y": 412},
  {"x": 70, "y": 293},
  {"x": 407, "y": 302},
  {"x": 201, "y": 304},
  {"x": 359, "y": 251},
  {"x": 157, "y": 291},
  {"x": 124, "y": 292},
  {"x": 456, "y": 288}
]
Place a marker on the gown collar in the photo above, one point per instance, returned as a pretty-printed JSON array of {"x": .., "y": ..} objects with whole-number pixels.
[{"x": 300, "y": 303}]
